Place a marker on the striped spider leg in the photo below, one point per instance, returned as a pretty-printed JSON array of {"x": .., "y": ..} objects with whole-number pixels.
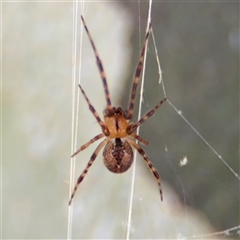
[{"x": 117, "y": 130}]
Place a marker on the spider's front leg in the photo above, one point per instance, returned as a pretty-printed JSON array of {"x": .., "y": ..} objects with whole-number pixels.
[
  {"x": 100, "y": 67},
  {"x": 137, "y": 76}
]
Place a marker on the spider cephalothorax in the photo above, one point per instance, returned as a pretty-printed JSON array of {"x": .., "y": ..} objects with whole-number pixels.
[
  {"x": 117, "y": 129},
  {"x": 116, "y": 122}
]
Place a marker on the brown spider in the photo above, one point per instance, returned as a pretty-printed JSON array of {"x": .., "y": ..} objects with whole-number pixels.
[{"x": 117, "y": 153}]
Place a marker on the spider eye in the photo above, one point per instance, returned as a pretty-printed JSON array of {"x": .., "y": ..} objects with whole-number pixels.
[
  {"x": 109, "y": 112},
  {"x": 119, "y": 111}
]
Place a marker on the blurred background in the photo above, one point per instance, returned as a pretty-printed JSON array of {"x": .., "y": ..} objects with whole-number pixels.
[{"x": 198, "y": 46}]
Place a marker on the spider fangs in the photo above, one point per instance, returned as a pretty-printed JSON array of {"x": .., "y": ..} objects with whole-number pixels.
[{"x": 116, "y": 128}]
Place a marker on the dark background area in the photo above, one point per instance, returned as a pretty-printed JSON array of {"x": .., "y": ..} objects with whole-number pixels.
[{"x": 198, "y": 46}]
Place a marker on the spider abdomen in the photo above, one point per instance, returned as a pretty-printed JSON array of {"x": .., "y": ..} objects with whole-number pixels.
[{"x": 118, "y": 155}]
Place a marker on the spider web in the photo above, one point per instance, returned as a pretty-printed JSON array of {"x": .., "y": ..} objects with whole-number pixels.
[
  {"x": 228, "y": 232},
  {"x": 198, "y": 46},
  {"x": 188, "y": 216}
]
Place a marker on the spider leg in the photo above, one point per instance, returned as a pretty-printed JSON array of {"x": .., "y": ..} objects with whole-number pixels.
[
  {"x": 139, "y": 138},
  {"x": 146, "y": 116},
  {"x": 100, "y": 67},
  {"x": 151, "y": 167},
  {"x": 137, "y": 75},
  {"x": 93, "y": 157},
  {"x": 99, "y": 136},
  {"x": 92, "y": 109}
]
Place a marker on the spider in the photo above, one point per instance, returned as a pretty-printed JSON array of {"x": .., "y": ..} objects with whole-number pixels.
[{"x": 117, "y": 129}]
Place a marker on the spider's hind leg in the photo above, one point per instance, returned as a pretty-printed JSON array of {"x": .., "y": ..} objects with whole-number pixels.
[
  {"x": 92, "y": 159},
  {"x": 151, "y": 167}
]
